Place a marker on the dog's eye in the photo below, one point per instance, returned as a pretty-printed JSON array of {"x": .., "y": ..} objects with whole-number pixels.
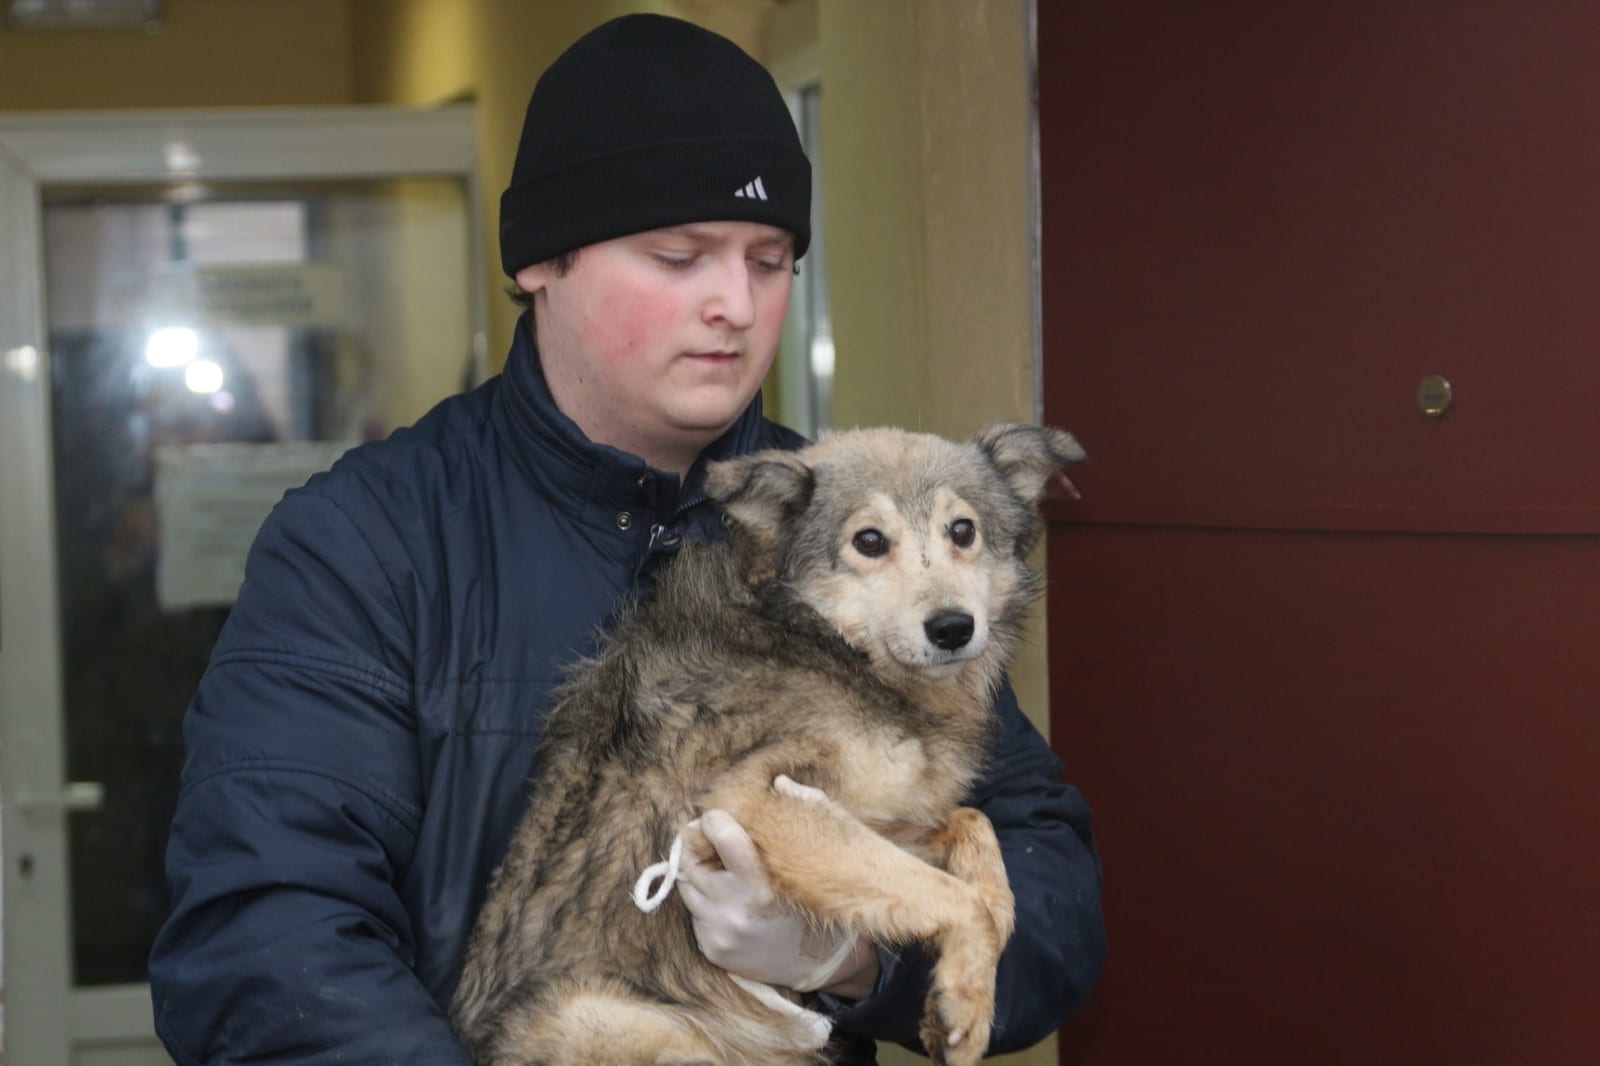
[
  {"x": 962, "y": 532},
  {"x": 870, "y": 542}
]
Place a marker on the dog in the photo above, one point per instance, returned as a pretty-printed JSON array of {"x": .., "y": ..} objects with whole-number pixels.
[{"x": 849, "y": 636}]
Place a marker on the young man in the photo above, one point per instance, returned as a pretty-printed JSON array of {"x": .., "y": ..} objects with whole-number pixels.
[{"x": 360, "y": 745}]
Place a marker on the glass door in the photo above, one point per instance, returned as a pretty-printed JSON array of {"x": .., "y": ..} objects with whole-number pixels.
[{"x": 206, "y": 345}]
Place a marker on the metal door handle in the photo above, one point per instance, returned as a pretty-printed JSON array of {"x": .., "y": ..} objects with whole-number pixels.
[{"x": 75, "y": 796}]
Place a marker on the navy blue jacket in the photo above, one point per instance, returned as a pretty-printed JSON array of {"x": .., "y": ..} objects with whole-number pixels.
[{"x": 359, "y": 749}]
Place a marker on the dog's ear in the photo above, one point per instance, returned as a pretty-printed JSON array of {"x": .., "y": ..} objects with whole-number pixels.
[
  {"x": 760, "y": 493},
  {"x": 1027, "y": 455}
]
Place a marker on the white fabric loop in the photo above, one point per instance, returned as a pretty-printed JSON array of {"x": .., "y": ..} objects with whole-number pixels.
[{"x": 648, "y": 899}]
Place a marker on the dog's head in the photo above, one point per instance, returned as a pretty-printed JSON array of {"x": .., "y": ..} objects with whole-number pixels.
[{"x": 914, "y": 547}]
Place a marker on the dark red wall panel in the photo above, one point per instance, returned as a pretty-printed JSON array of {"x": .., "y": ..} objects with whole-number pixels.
[
  {"x": 1264, "y": 223},
  {"x": 1327, "y": 670},
  {"x": 1347, "y": 789}
]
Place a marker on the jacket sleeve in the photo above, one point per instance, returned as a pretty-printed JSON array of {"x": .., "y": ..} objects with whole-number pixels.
[
  {"x": 1054, "y": 957},
  {"x": 287, "y": 941}
]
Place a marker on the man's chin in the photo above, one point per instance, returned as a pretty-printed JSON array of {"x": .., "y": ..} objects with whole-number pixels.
[{"x": 709, "y": 420}]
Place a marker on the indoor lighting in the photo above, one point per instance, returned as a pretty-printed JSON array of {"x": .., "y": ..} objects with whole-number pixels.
[
  {"x": 181, "y": 158},
  {"x": 822, "y": 357},
  {"x": 172, "y": 346},
  {"x": 23, "y": 362},
  {"x": 203, "y": 376}
]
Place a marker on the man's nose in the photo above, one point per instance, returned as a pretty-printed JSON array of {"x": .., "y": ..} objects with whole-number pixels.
[{"x": 733, "y": 299}]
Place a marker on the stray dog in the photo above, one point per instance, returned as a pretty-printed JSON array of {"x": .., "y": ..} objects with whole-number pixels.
[{"x": 850, "y": 635}]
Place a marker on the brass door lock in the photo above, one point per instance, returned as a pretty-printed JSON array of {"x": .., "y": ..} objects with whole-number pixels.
[{"x": 1434, "y": 395}]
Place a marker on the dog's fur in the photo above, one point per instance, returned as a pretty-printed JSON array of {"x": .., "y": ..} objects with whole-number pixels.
[{"x": 786, "y": 651}]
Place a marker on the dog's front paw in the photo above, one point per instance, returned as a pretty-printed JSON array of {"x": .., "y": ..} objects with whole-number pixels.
[
  {"x": 957, "y": 1016},
  {"x": 960, "y": 1008},
  {"x": 955, "y": 1033}
]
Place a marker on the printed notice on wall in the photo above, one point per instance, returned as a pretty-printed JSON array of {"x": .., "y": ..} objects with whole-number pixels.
[
  {"x": 293, "y": 295},
  {"x": 210, "y": 501}
]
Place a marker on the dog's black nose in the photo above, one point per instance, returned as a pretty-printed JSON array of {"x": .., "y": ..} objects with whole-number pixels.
[{"x": 949, "y": 629}]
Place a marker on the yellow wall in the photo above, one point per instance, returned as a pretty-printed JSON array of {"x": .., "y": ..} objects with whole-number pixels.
[
  {"x": 207, "y": 53},
  {"x": 925, "y": 117},
  {"x": 926, "y": 148}
]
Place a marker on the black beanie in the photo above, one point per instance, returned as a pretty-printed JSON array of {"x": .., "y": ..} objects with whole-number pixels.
[{"x": 649, "y": 122}]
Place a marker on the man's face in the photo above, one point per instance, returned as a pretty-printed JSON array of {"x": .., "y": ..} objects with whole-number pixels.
[{"x": 656, "y": 342}]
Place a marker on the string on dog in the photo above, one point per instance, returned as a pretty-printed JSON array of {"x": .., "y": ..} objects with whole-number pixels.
[
  {"x": 648, "y": 899},
  {"x": 813, "y": 1028}
]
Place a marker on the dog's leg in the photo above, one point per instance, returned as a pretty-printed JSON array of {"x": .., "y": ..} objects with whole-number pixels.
[
  {"x": 834, "y": 868},
  {"x": 968, "y": 848}
]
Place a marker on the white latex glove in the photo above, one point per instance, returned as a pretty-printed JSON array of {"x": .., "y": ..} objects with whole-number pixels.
[{"x": 741, "y": 926}]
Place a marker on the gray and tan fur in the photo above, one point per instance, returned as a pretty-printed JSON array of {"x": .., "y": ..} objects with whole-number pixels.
[{"x": 789, "y": 650}]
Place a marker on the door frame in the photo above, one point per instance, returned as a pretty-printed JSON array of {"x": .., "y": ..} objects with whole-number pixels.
[{"x": 48, "y": 1017}]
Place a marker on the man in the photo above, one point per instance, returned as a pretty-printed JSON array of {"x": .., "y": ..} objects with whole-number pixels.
[{"x": 359, "y": 747}]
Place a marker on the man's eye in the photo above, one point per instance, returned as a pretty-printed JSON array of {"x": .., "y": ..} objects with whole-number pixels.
[
  {"x": 870, "y": 542},
  {"x": 771, "y": 266},
  {"x": 674, "y": 262},
  {"x": 962, "y": 532}
]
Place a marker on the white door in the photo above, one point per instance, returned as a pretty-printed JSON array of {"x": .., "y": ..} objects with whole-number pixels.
[{"x": 196, "y": 312}]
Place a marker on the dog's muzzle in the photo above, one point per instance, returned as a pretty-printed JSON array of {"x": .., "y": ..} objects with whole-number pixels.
[{"x": 949, "y": 630}]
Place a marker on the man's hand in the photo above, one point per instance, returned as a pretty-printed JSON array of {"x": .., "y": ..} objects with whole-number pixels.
[{"x": 743, "y": 928}]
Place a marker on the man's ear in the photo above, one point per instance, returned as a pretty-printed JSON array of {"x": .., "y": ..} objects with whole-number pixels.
[
  {"x": 530, "y": 279},
  {"x": 760, "y": 493},
  {"x": 1027, "y": 455}
]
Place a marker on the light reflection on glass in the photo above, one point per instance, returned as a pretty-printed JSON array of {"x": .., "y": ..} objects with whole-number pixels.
[
  {"x": 203, "y": 376},
  {"x": 172, "y": 346}
]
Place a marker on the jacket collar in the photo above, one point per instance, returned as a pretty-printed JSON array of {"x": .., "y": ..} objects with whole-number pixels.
[{"x": 579, "y": 474}]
